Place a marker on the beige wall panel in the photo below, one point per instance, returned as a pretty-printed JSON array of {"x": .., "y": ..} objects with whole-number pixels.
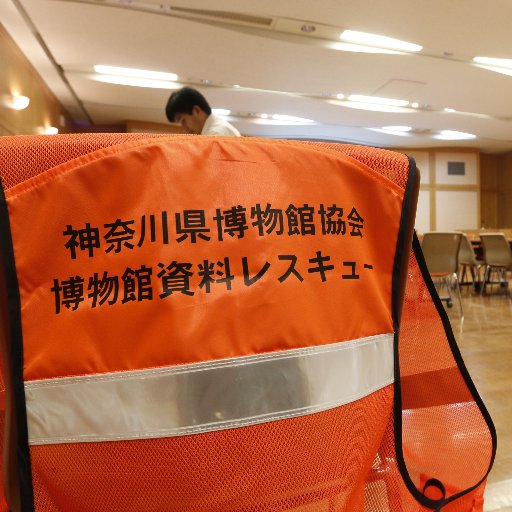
[
  {"x": 422, "y": 223},
  {"x": 456, "y": 210},
  {"x": 422, "y": 163},
  {"x": 471, "y": 168}
]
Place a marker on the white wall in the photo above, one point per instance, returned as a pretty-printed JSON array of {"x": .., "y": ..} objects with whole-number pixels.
[{"x": 447, "y": 202}]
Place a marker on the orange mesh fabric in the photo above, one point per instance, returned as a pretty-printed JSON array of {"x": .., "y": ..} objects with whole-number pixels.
[
  {"x": 23, "y": 157},
  {"x": 317, "y": 461},
  {"x": 385, "y": 490},
  {"x": 446, "y": 433}
]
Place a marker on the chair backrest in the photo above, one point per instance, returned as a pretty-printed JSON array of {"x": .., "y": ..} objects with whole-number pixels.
[
  {"x": 467, "y": 254},
  {"x": 441, "y": 251},
  {"x": 199, "y": 323},
  {"x": 497, "y": 251}
]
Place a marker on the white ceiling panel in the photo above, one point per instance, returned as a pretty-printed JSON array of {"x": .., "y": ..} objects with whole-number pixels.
[{"x": 279, "y": 68}]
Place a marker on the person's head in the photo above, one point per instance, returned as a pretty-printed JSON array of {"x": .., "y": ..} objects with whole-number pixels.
[{"x": 188, "y": 107}]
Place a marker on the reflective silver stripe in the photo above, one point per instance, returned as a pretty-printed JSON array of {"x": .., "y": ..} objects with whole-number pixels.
[{"x": 202, "y": 397}]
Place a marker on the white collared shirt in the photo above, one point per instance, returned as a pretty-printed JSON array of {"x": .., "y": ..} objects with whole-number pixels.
[{"x": 215, "y": 125}]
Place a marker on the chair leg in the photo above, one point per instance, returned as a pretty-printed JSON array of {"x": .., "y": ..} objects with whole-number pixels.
[
  {"x": 457, "y": 286},
  {"x": 487, "y": 272},
  {"x": 495, "y": 275},
  {"x": 463, "y": 274},
  {"x": 448, "y": 283},
  {"x": 477, "y": 282}
]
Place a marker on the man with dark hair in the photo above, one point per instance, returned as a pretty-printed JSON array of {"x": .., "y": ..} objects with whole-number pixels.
[{"x": 188, "y": 107}]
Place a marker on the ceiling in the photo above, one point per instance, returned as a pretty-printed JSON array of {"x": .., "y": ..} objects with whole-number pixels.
[{"x": 257, "y": 59}]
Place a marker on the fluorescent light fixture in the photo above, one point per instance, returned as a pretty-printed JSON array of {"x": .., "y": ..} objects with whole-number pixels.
[
  {"x": 389, "y": 131},
  {"x": 371, "y": 106},
  {"x": 282, "y": 120},
  {"x": 14, "y": 101},
  {"x": 47, "y": 130},
  {"x": 290, "y": 119},
  {"x": 374, "y": 40},
  {"x": 453, "y": 135},
  {"x": 503, "y": 66},
  {"x": 397, "y": 128},
  {"x": 503, "y": 71},
  {"x": 135, "y": 73},
  {"x": 221, "y": 111},
  {"x": 135, "y": 82},
  {"x": 358, "y": 48},
  {"x": 450, "y": 110},
  {"x": 378, "y": 101},
  {"x": 491, "y": 61}
]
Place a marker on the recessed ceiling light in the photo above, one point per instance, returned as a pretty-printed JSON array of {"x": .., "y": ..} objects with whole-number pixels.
[
  {"x": 14, "y": 101},
  {"x": 415, "y": 104},
  {"x": 453, "y": 135},
  {"x": 136, "y": 73},
  {"x": 366, "y": 38},
  {"x": 135, "y": 82},
  {"x": 221, "y": 111},
  {"x": 450, "y": 110},
  {"x": 378, "y": 101},
  {"x": 340, "y": 96}
]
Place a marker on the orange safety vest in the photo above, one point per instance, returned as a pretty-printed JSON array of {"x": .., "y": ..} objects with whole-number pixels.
[{"x": 218, "y": 324}]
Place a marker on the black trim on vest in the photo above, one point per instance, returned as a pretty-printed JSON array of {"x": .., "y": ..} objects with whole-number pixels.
[
  {"x": 400, "y": 263},
  {"x": 16, "y": 350},
  {"x": 461, "y": 366},
  {"x": 398, "y": 270},
  {"x": 397, "y": 296}
]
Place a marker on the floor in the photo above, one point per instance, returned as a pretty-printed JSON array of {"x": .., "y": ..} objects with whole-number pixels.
[{"x": 485, "y": 340}]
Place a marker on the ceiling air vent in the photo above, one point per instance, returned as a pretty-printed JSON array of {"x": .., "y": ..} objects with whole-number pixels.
[
  {"x": 202, "y": 15},
  {"x": 225, "y": 16}
]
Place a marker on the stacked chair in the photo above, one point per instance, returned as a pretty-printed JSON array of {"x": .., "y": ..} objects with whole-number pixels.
[
  {"x": 468, "y": 261},
  {"x": 441, "y": 252},
  {"x": 195, "y": 324},
  {"x": 498, "y": 259}
]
